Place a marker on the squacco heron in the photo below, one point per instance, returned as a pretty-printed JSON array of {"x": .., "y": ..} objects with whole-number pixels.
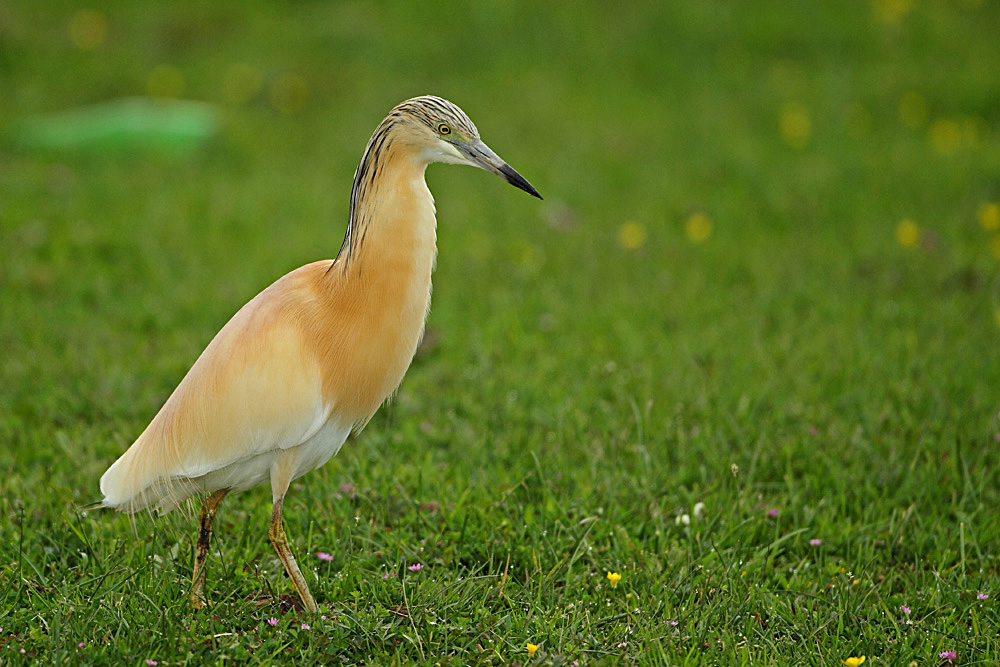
[{"x": 312, "y": 357}]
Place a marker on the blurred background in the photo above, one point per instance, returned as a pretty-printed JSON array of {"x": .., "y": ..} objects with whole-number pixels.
[
  {"x": 770, "y": 243},
  {"x": 767, "y": 208}
]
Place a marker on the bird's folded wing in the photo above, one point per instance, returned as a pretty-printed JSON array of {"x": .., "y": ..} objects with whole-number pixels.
[{"x": 253, "y": 392}]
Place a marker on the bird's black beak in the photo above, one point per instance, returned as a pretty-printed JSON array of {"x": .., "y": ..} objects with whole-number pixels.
[
  {"x": 483, "y": 157},
  {"x": 517, "y": 180}
]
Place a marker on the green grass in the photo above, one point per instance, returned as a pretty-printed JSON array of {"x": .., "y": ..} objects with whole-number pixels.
[{"x": 579, "y": 397}]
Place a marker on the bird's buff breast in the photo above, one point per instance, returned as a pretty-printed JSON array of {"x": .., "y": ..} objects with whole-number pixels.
[
  {"x": 376, "y": 300},
  {"x": 372, "y": 339}
]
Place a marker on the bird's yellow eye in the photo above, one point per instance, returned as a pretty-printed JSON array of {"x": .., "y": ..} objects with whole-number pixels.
[{"x": 443, "y": 128}]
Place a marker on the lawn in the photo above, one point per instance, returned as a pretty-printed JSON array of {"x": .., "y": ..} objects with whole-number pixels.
[{"x": 745, "y": 355}]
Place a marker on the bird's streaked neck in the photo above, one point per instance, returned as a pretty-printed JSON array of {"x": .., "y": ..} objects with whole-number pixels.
[
  {"x": 389, "y": 170},
  {"x": 391, "y": 207}
]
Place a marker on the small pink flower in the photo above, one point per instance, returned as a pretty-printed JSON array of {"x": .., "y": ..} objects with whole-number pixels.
[
  {"x": 416, "y": 567},
  {"x": 151, "y": 663},
  {"x": 905, "y": 609},
  {"x": 622, "y": 644},
  {"x": 982, "y": 596},
  {"x": 673, "y": 623},
  {"x": 387, "y": 575},
  {"x": 322, "y": 618},
  {"x": 815, "y": 542},
  {"x": 322, "y": 555},
  {"x": 272, "y": 621},
  {"x": 305, "y": 626},
  {"x": 773, "y": 512},
  {"x": 80, "y": 645},
  {"x": 949, "y": 656}
]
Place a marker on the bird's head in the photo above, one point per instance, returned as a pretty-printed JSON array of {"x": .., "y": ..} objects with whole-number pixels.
[{"x": 444, "y": 133}]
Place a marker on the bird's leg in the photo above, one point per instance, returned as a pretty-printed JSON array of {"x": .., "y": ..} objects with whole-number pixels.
[
  {"x": 198, "y": 599},
  {"x": 280, "y": 544}
]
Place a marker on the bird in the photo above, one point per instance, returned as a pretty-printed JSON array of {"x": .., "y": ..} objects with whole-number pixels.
[{"x": 312, "y": 357}]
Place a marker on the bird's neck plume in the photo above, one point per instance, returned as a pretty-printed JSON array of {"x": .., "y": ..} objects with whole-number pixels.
[{"x": 382, "y": 157}]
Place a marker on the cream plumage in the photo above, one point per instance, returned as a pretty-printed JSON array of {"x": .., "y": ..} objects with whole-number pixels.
[{"x": 313, "y": 356}]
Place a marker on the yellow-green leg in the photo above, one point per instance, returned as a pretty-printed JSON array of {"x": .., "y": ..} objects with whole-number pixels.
[
  {"x": 280, "y": 543},
  {"x": 198, "y": 599}
]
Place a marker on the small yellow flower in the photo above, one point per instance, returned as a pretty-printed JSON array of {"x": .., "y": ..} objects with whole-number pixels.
[
  {"x": 854, "y": 662},
  {"x": 892, "y": 12},
  {"x": 289, "y": 93},
  {"x": 989, "y": 216},
  {"x": 241, "y": 83},
  {"x": 88, "y": 29},
  {"x": 631, "y": 236},
  {"x": 698, "y": 228},
  {"x": 795, "y": 125},
  {"x": 531, "y": 649},
  {"x": 907, "y": 233},
  {"x": 614, "y": 578},
  {"x": 945, "y": 135}
]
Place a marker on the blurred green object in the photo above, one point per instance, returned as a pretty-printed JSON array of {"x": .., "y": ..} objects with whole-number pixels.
[{"x": 129, "y": 124}]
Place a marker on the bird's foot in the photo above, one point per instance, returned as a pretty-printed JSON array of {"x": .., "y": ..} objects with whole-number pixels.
[{"x": 198, "y": 600}]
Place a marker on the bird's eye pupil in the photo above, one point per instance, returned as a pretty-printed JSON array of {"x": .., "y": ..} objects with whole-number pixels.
[{"x": 444, "y": 129}]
